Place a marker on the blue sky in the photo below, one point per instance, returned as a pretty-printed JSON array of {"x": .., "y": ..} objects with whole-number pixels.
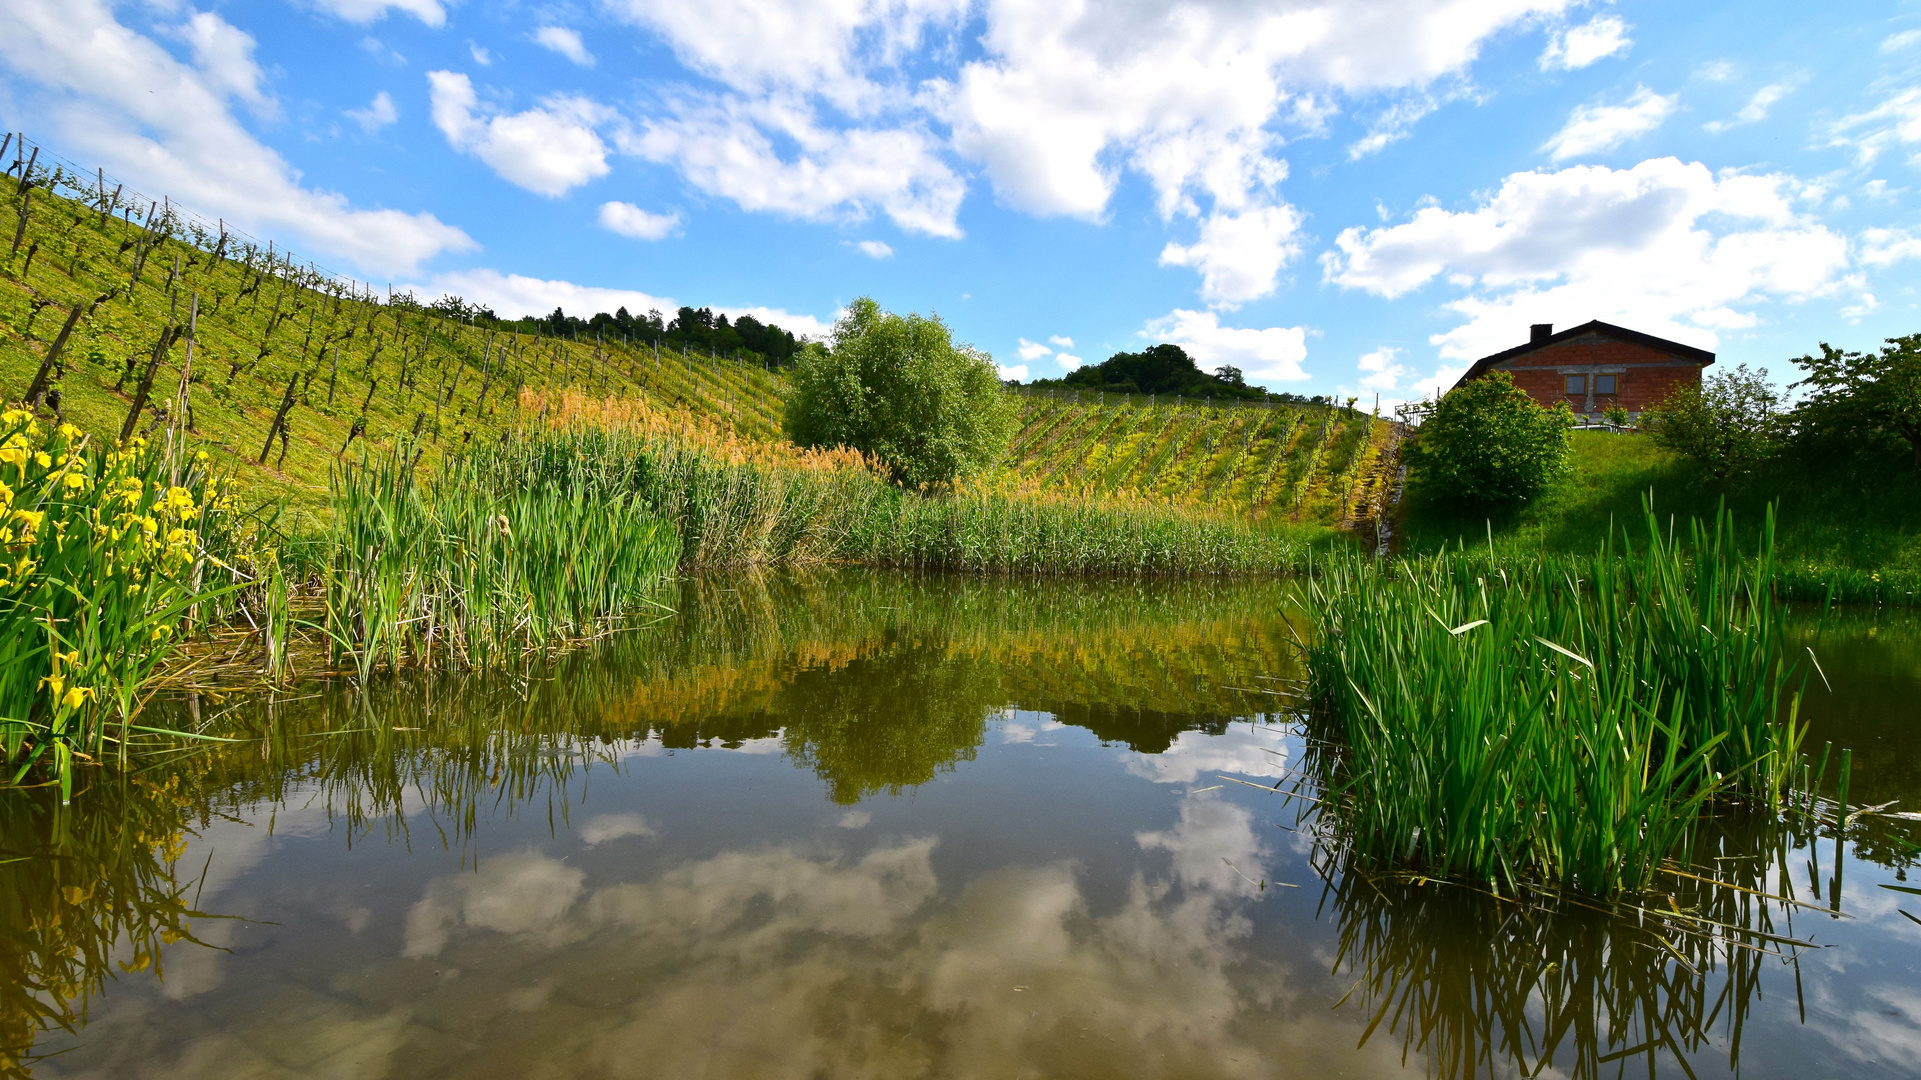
[{"x": 1337, "y": 197}]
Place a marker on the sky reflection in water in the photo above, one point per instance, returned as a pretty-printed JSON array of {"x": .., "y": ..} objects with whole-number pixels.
[{"x": 862, "y": 825}]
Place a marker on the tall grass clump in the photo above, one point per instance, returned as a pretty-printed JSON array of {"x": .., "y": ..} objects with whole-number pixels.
[
  {"x": 474, "y": 567},
  {"x": 102, "y": 566},
  {"x": 1507, "y": 723}
]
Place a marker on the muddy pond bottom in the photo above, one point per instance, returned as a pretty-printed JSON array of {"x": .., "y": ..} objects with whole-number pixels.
[{"x": 861, "y": 825}]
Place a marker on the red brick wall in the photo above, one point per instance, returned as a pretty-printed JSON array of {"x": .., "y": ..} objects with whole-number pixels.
[{"x": 1650, "y": 373}]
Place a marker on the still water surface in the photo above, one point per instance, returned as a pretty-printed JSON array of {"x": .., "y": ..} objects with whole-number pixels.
[{"x": 857, "y": 825}]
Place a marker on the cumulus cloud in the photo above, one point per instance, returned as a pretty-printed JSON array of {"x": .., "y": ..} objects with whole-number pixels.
[
  {"x": 516, "y": 296},
  {"x": 630, "y": 220},
  {"x": 1756, "y": 110},
  {"x": 378, "y": 114},
  {"x": 1894, "y": 122},
  {"x": 549, "y": 149},
  {"x": 1592, "y": 129},
  {"x": 1016, "y": 372},
  {"x": 1033, "y": 350},
  {"x": 1379, "y": 371},
  {"x": 1885, "y": 247},
  {"x": 225, "y": 54},
  {"x": 1272, "y": 354},
  {"x": 723, "y": 146},
  {"x": 1577, "y": 47},
  {"x": 1068, "y": 361},
  {"x": 1239, "y": 255},
  {"x": 121, "y": 100},
  {"x": 365, "y": 11},
  {"x": 1061, "y": 340},
  {"x": 875, "y": 249},
  {"x": 565, "y": 42},
  {"x": 1667, "y": 247}
]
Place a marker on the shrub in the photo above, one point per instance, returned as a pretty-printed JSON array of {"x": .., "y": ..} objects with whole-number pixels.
[
  {"x": 1728, "y": 423},
  {"x": 1864, "y": 396},
  {"x": 896, "y": 387},
  {"x": 1488, "y": 445}
]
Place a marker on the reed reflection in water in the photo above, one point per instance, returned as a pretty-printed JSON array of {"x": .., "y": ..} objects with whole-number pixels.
[{"x": 852, "y": 825}]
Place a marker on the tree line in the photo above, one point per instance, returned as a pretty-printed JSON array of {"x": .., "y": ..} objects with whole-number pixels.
[
  {"x": 1167, "y": 370},
  {"x": 691, "y": 329}
]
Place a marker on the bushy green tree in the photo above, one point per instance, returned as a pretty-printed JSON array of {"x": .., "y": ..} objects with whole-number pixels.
[
  {"x": 898, "y": 388},
  {"x": 1863, "y": 396},
  {"x": 1487, "y": 445},
  {"x": 1728, "y": 423}
]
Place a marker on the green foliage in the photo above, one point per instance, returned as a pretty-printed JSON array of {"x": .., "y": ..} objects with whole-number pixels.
[
  {"x": 1487, "y": 445},
  {"x": 896, "y": 387},
  {"x": 1865, "y": 395},
  {"x": 1163, "y": 369},
  {"x": 1504, "y": 721},
  {"x": 1729, "y": 423}
]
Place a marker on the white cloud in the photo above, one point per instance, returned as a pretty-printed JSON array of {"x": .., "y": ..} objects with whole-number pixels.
[
  {"x": 225, "y": 53},
  {"x": 1591, "y": 129},
  {"x": 120, "y": 100},
  {"x": 565, "y": 42},
  {"x": 1902, "y": 40},
  {"x": 548, "y": 149},
  {"x": 604, "y": 827},
  {"x": 1240, "y": 255},
  {"x": 366, "y": 11},
  {"x": 1062, "y": 340},
  {"x": 875, "y": 249},
  {"x": 1895, "y": 121},
  {"x": 378, "y": 114},
  {"x": 1379, "y": 371},
  {"x": 1885, "y": 247},
  {"x": 1243, "y": 750},
  {"x": 1397, "y": 122},
  {"x": 1756, "y": 110},
  {"x": 1016, "y": 372},
  {"x": 1032, "y": 350},
  {"x": 480, "y": 54},
  {"x": 1665, "y": 247},
  {"x": 1068, "y": 361},
  {"x": 514, "y": 296},
  {"x": 722, "y": 146},
  {"x": 1273, "y": 354},
  {"x": 1577, "y": 47},
  {"x": 630, "y": 220}
]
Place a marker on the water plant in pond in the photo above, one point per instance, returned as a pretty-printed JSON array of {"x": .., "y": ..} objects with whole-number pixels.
[{"x": 1502, "y": 721}]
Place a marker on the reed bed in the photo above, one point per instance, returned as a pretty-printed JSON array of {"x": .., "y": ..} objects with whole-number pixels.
[
  {"x": 740, "y": 503},
  {"x": 1510, "y": 723},
  {"x": 476, "y": 567}
]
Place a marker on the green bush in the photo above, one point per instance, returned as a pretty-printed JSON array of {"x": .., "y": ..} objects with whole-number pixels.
[
  {"x": 1487, "y": 445},
  {"x": 1728, "y": 423},
  {"x": 896, "y": 387}
]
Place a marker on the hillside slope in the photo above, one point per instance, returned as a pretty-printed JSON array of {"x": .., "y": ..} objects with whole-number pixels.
[{"x": 153, "y": 295}]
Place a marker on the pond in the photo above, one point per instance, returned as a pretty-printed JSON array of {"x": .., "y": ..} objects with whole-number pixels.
[{"x": 857, "y": 824}]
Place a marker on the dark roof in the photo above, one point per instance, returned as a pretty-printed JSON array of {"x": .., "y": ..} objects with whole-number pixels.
[{"x": 1622, "y": 333}]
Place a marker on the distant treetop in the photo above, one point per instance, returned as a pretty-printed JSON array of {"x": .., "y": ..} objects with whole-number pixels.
[
  {"x": 1165, "y": 370},
  {"x": 690, "y": 328}
]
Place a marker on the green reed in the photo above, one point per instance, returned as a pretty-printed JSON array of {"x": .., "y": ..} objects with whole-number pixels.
[
  {"x": 734, "y": 511},
  {"x": 470, "y": 569},
  {"x": 1504, "y": 721}
]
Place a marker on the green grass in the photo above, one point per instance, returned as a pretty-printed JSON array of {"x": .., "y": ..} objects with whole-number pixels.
[
  {"x": 1852, "y": 526},
  {"x": 1498, "y": 719}
]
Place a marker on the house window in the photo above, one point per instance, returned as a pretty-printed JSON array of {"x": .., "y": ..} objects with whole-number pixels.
[
  {"x": 1577, "y": 385},
  {"x": 1604, "y": 384}
]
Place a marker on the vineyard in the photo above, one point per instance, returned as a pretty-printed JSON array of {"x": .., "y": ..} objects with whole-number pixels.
[
  {"x": 128, "y": 317},
  {"x": 1317, "y": 463}
]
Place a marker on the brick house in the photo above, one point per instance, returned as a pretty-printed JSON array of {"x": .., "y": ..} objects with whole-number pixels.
[{"x": 1596, "y": 365}]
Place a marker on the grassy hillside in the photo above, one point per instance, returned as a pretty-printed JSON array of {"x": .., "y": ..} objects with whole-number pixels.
[
  {"x": 1317, "y": 464},
  {"x": 149, "y": 280},
  {"x": 1854, "y": 523}
]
